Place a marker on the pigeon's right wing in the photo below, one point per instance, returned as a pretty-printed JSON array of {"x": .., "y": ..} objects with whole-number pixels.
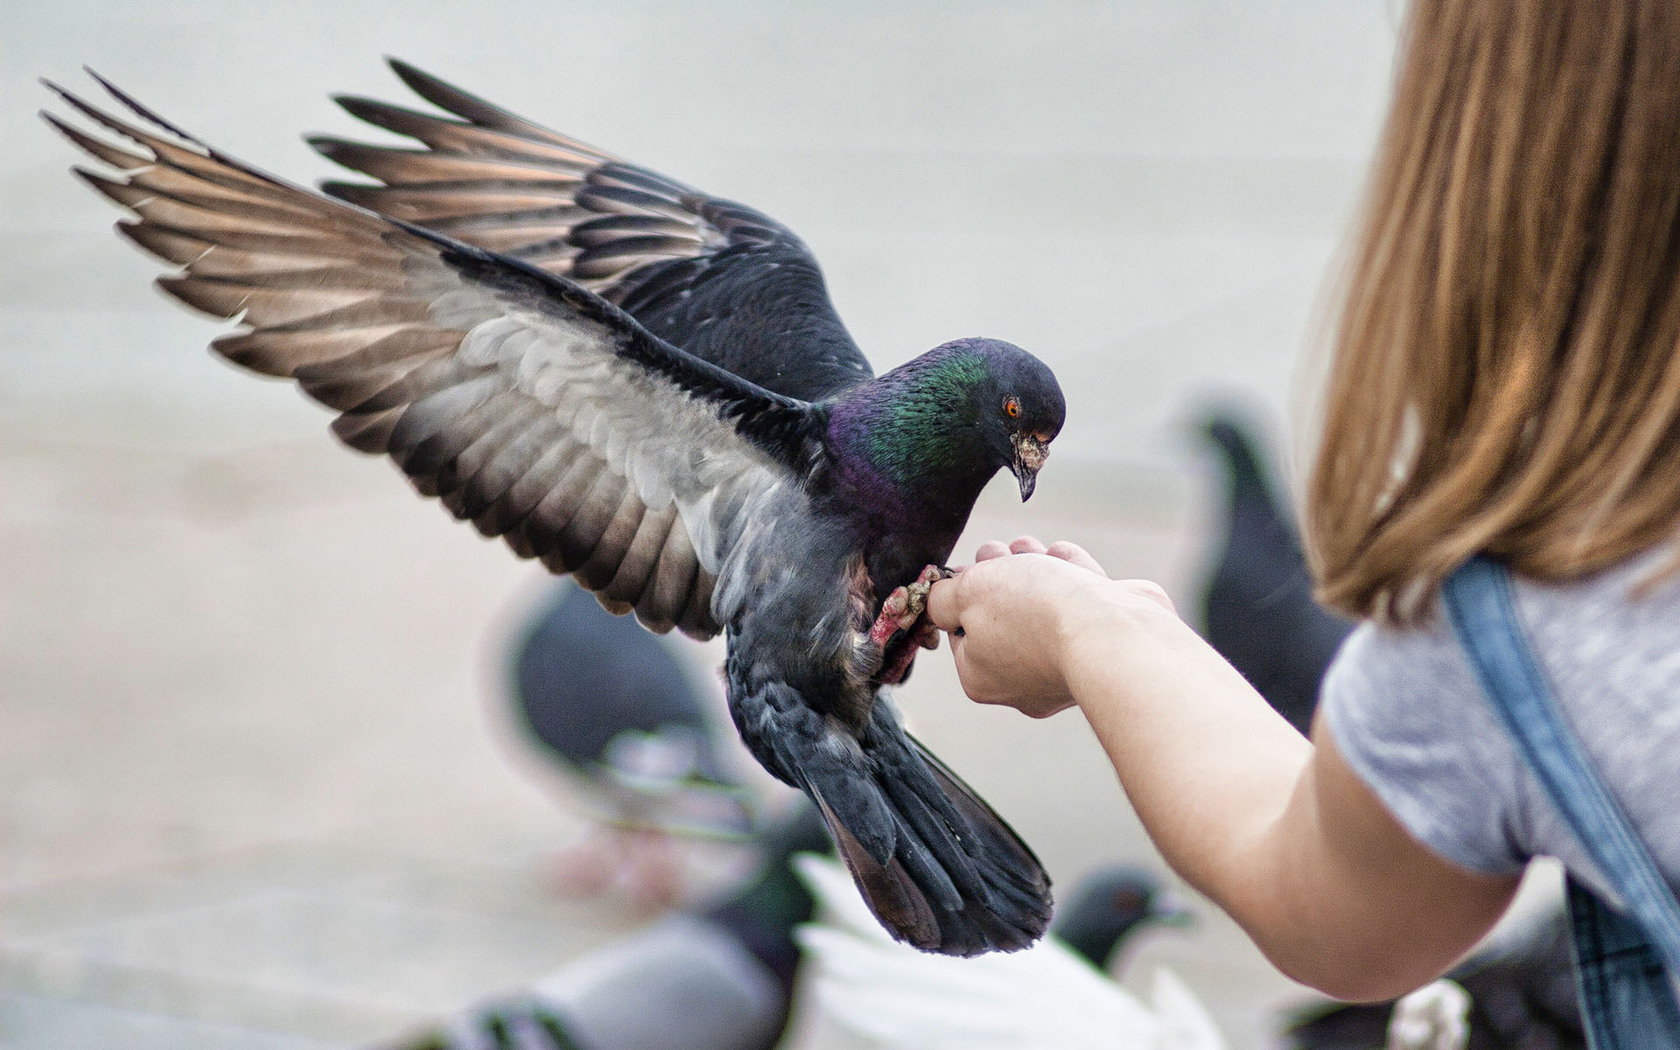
[
  {"x": 720, "y": 280},
  {"x": 528, "y": 404}
]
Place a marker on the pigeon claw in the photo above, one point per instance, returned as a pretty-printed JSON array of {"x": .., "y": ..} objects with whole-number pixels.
[
  {"x": 895, "y": 616},
  {"x": 905, "y": 605},
  {"x": 904, "y": 610}
]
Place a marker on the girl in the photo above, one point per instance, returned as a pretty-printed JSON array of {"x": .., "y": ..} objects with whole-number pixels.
[{"x": 1505, "y": 379}]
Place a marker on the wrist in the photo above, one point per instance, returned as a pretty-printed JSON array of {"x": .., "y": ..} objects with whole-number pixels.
[
  {"x": 1111, "y": 627},
  {"x": 1085, "y": 626}
]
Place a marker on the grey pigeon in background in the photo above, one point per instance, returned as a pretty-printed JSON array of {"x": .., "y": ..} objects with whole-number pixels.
[
  {"x": 1111, "y": 904},
  {"x": 719, "y": 977},
  {"x": 648, "y": 388},
  {"x": 612, "y": 705},
  {"x": 722, "y": 977},
  {"x": 1258, "y": 609}
]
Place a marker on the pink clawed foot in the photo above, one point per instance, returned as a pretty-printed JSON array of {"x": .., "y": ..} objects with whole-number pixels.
[
  {"x": 891, "y": 620},
  {"x": 905, "y": 605},
  {"x": 903, "y": 611}
]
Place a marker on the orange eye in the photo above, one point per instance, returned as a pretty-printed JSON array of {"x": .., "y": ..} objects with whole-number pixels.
[{"x": 1011, "y": 408}]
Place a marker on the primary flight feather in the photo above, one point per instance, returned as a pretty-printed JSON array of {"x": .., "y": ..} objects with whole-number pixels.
[{"x": 648, "y": 388}]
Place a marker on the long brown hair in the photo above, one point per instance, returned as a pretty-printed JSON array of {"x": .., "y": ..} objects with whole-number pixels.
[{"x": 1506, "y": 370}]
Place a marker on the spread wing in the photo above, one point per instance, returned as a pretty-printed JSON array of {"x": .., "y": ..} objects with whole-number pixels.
[
  {"x": 716, "y": 278},
  {"x": 527, "y": 404}
]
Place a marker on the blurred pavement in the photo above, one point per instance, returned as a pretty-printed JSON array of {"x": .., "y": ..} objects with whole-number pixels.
[{"x": 251, "y": 793}]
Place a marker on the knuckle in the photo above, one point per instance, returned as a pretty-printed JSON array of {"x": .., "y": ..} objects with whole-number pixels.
[{"x": 1153, "y": 591}]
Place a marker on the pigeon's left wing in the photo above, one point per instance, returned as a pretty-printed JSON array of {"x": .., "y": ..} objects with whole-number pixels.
[
  {"x": 528, "y": 404},
  {"x": 719, "y": 279}
]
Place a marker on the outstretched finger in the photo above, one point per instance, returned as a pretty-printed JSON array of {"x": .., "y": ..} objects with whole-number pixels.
[
  {"x": 991, "y": 549},
  {"x": 1026, "y": 545}
]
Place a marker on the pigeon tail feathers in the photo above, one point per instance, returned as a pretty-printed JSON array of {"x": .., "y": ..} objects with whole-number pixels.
[{"x": 937, "y": 866}]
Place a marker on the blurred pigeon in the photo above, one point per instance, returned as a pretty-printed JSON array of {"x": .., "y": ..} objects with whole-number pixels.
[
  {"x": 613, "y": 705},
  {"x": 1259, "y": 610},
  {"x": 1046, "y": 996},
  {"x": 718, "y": 978},
  {"x": 647, "y": 387},
  {"x": 1108, "y": 906}
]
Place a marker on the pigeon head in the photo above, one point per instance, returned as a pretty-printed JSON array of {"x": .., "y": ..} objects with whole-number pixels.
[
  {"x": 1019, "y": 407},
  {"x": 946, "y": 421},
  {"x": 1231, "y": 437}
]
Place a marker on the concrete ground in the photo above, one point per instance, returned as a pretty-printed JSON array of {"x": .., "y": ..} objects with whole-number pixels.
[{"x": 253, "y": 784}]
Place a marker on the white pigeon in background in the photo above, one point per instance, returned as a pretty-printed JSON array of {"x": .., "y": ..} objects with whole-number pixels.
[{"x": 1044, "y": 996}]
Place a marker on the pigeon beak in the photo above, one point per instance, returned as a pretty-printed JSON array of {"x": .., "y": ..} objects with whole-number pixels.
[{"x": 1031, "y": 451}]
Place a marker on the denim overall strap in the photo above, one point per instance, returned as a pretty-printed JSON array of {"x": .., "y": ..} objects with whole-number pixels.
[{"x": 1627, "y": 1000}]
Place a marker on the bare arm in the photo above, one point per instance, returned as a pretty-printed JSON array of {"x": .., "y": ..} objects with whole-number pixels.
[{"x": 1277, "y": 830}]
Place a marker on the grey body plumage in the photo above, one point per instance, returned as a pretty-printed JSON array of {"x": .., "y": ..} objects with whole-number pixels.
[{"x": 647, "y": 388}]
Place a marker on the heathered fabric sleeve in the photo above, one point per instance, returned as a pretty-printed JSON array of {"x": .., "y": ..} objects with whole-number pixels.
[{"x": 1410, "y": 720}]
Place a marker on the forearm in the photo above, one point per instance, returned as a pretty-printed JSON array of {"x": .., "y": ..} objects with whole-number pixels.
[
  {"x": 1208, "y": 766},
  {"x": 1329, "y": 887}
]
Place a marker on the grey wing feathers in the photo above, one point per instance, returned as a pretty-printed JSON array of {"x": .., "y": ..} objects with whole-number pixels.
[
  {"x": 506, "y": 184},
  {"x": 529, "y": 407},
  {"x": 719, "y": 279}
]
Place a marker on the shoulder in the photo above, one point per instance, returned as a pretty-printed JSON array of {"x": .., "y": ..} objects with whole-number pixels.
[
  {"x": 1409, "y": 719},
  {"x": 1611, "y": 632},
  {"x": 1607, "y": 644}
]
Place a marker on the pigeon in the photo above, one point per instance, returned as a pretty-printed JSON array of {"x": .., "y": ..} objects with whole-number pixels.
[
  {"x": 646, "y": 387},
  {"x": 720, "y": 977},
  {"x": 1258, "y": 608},
  {"x": 611, "y": 705},
  {"x": 1050, "y": 995},
  {"x": 1108, "y": 906}
]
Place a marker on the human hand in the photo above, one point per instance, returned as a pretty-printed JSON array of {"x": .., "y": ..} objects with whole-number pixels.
[{"x": 1012, "y": 614}]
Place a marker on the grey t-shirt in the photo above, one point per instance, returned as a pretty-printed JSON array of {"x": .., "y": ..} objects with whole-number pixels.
[{"x": 1410, "y": 719}]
